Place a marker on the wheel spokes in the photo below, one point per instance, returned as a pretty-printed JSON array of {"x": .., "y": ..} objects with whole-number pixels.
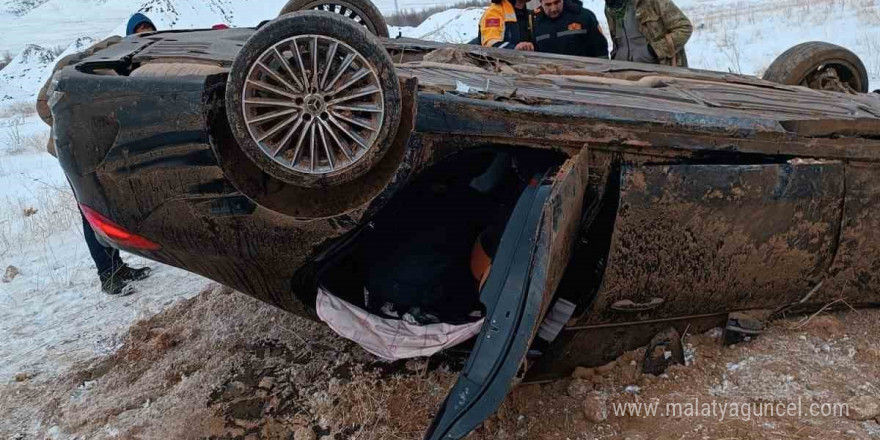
[
  {"x": 326, "y": 146},
  {"x": 354, "y": 79},
  {"x": 287, "y": 67},
  {"x": 269, "y": 116},
  {"x": 313, "y": 104},
  {"x": 299, "y": 62},
  {"x": 331, "y": 53},
  {"x": 356, "y": 94},
  {"x": 278, "y": 77},
  {"x": 342, "y": 68},
  {"x": 342, "y": 146},
  {"x": 286, "y": 140}
]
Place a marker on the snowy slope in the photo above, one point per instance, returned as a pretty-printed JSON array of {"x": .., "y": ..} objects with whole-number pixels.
[
  {"x": 58, "y": 22},
  {"x": 451, "y": 26},
  {"x": 20, "y": 78}
]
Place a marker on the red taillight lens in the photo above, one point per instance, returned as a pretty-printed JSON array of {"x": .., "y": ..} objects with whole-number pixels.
[{"x": 116, "y": 233}]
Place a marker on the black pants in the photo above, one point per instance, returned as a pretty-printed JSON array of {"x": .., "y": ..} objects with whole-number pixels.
[{"x": 107, "y": 259}]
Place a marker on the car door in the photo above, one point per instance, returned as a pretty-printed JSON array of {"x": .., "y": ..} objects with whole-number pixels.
[
  {"x": 697, "y": 239},
  {"x": 531, "y": 257}
]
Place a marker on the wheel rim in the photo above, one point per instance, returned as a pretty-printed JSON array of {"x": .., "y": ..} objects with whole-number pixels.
[
  {"x": 346, "y": 10},
  {"x": 833, "y": 76},
  {"x": 313, "y": 104}
]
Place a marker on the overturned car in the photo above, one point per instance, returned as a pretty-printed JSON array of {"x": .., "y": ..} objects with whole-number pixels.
[{"x": 553, "y": 211}]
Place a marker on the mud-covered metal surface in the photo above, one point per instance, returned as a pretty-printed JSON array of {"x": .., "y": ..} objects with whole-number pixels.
[
  {"x": 854, "y": 275},
  {"x": 197, "y": 46},
  {"x": 696, "y": 239}
]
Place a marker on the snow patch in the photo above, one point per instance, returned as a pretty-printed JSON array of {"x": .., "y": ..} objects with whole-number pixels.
[
  {"x": 23, "y": 78},
  {"x": 451, "y": 26},
  {"x": 18, "y": 80}
]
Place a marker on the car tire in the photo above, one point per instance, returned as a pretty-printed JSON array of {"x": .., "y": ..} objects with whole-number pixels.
[
  {"x": 176, "y": 69},
  {"x": 800, "y": 65},
  {"x": 361, "y": 11},
  {"x": 319, "y": 121}
]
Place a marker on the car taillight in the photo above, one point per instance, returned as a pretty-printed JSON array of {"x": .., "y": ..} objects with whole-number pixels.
[{"x": 116, "y": 233}]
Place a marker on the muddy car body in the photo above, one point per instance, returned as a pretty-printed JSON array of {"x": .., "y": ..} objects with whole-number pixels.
[{"x": 649, "y": 196}]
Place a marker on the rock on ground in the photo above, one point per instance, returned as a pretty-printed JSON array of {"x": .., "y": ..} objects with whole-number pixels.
[
  {"x": 863, "y": 408},
  {"x": 595, "y": 409}
]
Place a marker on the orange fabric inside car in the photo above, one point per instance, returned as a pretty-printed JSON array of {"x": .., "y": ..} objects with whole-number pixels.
[{"x": 481, "y": 263}]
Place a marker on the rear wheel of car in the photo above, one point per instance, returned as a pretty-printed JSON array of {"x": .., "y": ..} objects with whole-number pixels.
[
  {"x": 313, "y": 99},
  {"x": 820, "y": 66},
  {"x": 363, "y": 12}
]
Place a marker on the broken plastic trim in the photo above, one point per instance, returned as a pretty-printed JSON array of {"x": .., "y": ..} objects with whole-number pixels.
[{"x": 115, "y": 233}]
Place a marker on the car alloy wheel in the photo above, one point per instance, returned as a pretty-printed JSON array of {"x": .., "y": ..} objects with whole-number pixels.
[{"x": 313, "y": 104}]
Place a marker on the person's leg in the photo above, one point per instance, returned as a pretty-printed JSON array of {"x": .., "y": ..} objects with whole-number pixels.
[
  {"x": 113, "y": 272},
  {"x": 107, "y": 259}
]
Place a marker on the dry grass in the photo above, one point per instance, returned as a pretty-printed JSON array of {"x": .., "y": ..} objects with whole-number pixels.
[
  {"x": 412, "y": 17},
  {"x": 715, "y": 17},
  {"x": 871, "y": 55},
  {"x": 17, "y": 143},
  {"x": 397, "y": 407},
  {"x": 34, "y": 221},
  {"x": 18, "y": 109},
  {"x": 730, "y": 47},
  {"x": 5, "y": 59}
]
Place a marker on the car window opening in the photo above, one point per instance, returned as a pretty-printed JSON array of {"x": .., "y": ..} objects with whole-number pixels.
[{"x": 418, "y": 271}]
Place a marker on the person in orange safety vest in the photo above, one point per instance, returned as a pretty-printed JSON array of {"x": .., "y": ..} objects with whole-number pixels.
[{"x": 507, "y": 25}]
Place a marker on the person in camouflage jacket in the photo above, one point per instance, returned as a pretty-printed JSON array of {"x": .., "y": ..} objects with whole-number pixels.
[{"x": 661, "y": 23}]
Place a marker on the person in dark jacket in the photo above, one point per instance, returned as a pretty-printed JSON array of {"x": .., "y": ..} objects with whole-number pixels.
[
  {"x": 139, "y": 23},
  {"x": 566, "y": 27},
  {"x": 507, "y": 25}
]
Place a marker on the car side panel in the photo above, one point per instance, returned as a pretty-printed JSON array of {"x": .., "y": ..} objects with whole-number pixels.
[
  {"x": 703, "y": 239},
  {"x": 855, "y": 273}
]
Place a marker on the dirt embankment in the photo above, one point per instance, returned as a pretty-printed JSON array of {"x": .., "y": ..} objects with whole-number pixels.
[{"x": 227, "y": 367}]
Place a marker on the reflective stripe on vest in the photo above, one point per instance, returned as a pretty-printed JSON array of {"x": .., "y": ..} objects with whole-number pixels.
[{"x": 560, "y": 34}]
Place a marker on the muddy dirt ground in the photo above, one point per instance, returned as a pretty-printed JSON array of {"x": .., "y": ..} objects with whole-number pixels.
[{"x": 223, "y": 366}]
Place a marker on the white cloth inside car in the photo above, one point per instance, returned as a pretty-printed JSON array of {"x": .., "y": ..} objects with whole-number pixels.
[{"x": 390, "y": 339}]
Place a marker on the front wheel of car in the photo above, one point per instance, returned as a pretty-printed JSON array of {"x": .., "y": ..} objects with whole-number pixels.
[
  {"x": 313, "y": 99},
  {"x": 820, "y": 66}
]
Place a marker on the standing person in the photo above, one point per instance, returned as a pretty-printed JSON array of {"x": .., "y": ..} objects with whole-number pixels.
[
  {"x": 648, "y": 31},
  {"x": 566, "y": 27},
  {"x": 114, "y": 274},
  {"x": 507, "y": 25}
]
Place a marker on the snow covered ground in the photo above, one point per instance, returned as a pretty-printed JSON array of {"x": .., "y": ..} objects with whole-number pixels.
[{"x": 53, "y": 313}]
